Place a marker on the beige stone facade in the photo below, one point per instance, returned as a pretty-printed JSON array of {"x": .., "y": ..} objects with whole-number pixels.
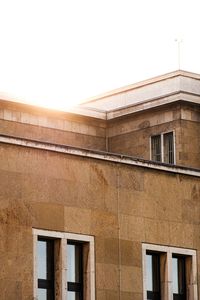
[{"x": 83, "y": 173}]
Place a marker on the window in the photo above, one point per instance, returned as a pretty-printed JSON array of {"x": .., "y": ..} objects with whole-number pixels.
[
  {"x": 162, "y": 148},
  {"x": 169, "y": 273},
  {"x": 63, "y": 266}
]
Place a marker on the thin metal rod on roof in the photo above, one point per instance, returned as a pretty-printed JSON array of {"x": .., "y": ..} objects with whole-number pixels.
[{"x": 179, "y": 41}]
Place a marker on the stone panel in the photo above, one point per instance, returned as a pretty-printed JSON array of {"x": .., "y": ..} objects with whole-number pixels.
[
  {"x": 131, "y": 254},
  {"x": 50, "y": 135},
  {"x": 131, "y": 279},
  {"x": 131, "y": 296},
  {"x": 77, "y": 220},
  {"x": 48, "y": 216},
  {"x": 107, "y": 277},
  {"x": 132, "y": 228},
  {"x": 104, "y": 224}
]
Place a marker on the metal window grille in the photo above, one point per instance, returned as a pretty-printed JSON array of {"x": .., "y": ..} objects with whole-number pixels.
[
  {"x": 156, "y": 148},
  {"x": 168, "y": 141}
]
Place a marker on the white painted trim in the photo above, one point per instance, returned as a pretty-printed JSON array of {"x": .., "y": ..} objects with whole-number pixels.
[
  {"x": 161, "y": 248},
  {"x": 63, "y": 269},
  {"x": 169, "y": 274},
  {"x": 194, "y": 276},
  {"x": 92, "y": 270},
  {"x": 64, "y": 236},
  {"x": 105, "y": 156},
  {"x": 144, "y": 271},
  {"x": 53, "y": 234}
]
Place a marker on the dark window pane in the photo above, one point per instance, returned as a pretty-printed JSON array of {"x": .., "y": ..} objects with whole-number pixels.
[
  {"x": 156, "y": 148},
  {"x": 168, "y": 148}
]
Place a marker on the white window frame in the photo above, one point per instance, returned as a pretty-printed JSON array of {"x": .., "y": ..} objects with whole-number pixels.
[
  {"x": 162, "y": 145},
  {"x": 169, "y": 251},
  {"x": 63, "y": 237}
]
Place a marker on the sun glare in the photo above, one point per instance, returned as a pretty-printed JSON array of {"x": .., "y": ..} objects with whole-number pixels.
[{"x": 57, "y": 53}]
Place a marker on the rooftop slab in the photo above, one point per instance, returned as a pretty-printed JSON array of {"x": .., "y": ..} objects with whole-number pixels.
[
  {"x": 160, "y": 90},
  {"x": 147, "y": 91}
]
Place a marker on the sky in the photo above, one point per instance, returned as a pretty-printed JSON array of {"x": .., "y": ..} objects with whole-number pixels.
[{"x": 56, "y": 53}]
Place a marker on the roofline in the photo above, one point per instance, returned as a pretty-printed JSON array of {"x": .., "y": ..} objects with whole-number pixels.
[
  {"x": 75, "y": 110},
  {"x": 100, "y": 155},
  {"x": 153, "y": 103},
  {"x": 123, "y": 111},
  {"x": 141, "y": 84},
  {"x": 84, "y": 110}
]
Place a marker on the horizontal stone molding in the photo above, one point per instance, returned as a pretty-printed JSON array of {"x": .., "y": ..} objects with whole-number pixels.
[{"x": 100, "y": 155}]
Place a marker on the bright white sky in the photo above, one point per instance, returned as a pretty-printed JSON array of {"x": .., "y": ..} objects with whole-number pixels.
[{"x": 57, "y": 52}]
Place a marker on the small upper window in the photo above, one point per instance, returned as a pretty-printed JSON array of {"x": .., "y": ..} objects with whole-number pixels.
[{"x": 162, "y": 147}]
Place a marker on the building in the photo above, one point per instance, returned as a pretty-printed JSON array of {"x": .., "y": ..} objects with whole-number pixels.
[{"x": 103, "y": 202}]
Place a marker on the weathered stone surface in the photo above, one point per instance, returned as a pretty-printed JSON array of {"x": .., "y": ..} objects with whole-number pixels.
[
  {"x": 121, "y": 206},
  {"x": 104, "y": 224},
  {"x": 131, "y": 253},
  {"x": 131, "y": 296},
  {"x": 131, "y": 279},
  {"x": 48, "y": 216},
  {"x": 76, "y": 220},
  {"x": 107, "y": 276}
]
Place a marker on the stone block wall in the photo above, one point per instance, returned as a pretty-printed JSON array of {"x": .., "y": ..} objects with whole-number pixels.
[
  {"x": 49, "y": 126},
  {"x": 122, "y": 206},
  {"x": 188, "y": 148},
  {"x": 131, "y": 135}
]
